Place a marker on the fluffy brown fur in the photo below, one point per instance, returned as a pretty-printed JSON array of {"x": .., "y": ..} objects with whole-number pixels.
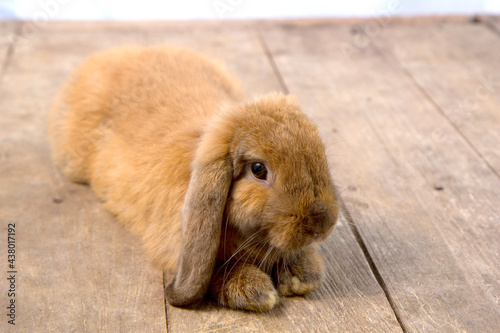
[{"x": 167, "y": 140}]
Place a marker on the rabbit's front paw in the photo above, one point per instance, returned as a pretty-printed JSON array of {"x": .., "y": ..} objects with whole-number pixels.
[
  {"x": 244, "y": 287},
  {"x": 301, "y": 275}
]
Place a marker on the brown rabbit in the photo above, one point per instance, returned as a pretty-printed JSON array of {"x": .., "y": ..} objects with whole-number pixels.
[{"x": 229, "y": 195}]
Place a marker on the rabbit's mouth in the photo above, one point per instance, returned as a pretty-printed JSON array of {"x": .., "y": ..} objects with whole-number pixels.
[
  {"x": 296, "y": 243},
  {"x": 293, "y": 232}
]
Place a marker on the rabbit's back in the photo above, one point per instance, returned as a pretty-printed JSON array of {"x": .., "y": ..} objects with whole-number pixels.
[{"x": 141, "y": 94}]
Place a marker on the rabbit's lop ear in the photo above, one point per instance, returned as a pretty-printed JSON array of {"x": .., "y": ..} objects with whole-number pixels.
[{"x": 202, "y": 215}]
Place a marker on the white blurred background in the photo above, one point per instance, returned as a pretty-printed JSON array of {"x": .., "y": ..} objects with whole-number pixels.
[{"x": 43, "y": 10}]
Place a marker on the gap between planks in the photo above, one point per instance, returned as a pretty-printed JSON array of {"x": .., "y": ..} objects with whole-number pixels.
[
  {"x": 371, "y": 61},
  {"x": 345, "y": 211},
  {"x": 10, "y": 50},
  {"x": 492, "y": 22},
  {"x": 272, "y": 63},
  {"x": 373, "y": 267},
  {"x": 437, "y": 106}
]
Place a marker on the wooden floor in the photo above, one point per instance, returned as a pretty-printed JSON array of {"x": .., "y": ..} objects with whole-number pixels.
[{"x": 410, "y": 112}]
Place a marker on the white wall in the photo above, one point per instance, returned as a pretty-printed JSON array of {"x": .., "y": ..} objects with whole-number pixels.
[{"x": 39, "y": 10}]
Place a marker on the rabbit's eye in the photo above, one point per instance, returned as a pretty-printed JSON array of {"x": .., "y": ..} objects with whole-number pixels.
[{"x": 259, "y": 170}]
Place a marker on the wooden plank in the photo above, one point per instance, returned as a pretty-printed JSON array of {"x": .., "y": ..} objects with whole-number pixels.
[
  {"x": 436, "y": 250},
  {"x": 461, "y": 77},
  {"x": 458, "y": 66},
  {"x": 77, "y": 269},
  {"x": 351, "y": 299},
  {"x": 165, "y": 26}
]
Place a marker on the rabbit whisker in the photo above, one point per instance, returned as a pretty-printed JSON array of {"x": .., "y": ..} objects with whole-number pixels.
[
  {"x": 246, "y": 256},
  {"x": 249, "y": 243},
  {"x": 258, "y": 247},
  {"x": 225, "y": 236},
  {"x": 242, "y": 247},
  {"x": 339, "y": 192},
  {"x": 264, "y": 264}
]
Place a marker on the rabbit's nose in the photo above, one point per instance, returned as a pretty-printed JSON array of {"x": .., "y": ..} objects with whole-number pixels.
[{"x": 320, "y": 217}]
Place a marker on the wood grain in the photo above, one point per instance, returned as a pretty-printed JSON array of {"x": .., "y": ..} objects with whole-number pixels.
[
  {"x": 436, "y": 250},
  {"x": 458, "y": 67},
  {"x": 464, "y": 84},
  {"x": 78, "y": 270}
]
